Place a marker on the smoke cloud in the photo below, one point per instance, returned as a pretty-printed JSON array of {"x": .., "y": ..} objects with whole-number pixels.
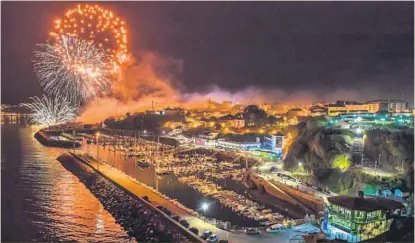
[{"x": 155, "y": 81}]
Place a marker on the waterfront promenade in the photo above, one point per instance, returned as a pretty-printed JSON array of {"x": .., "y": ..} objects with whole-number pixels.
[{"x": 140, "y": 190}]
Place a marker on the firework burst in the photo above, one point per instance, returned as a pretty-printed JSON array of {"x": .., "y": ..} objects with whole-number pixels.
[
  {"x": 72, "y": 68},
  {"x": 47, "y": 111},
  {"x": 97, "y": 25}
]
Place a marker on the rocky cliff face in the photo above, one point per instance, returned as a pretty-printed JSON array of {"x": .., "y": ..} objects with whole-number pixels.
[
  {"x": 325, "y": 153},
  {"x": 395, "y": 147},
  {"x": 316, "y": 148}
]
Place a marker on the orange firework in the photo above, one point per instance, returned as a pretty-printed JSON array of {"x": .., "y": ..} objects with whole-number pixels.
[{"x": 97, "y": 25}]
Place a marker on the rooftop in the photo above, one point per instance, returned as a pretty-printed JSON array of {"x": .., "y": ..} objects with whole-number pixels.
[{"x": 367, "y": 204}]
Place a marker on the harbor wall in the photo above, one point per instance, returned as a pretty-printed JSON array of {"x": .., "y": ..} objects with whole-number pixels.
[
  {"x": 44, "y": 139},
  {"x": 169, "y": 221},
  {"x": 273, "y": 191},
  {"x": 308, "y": 200}
]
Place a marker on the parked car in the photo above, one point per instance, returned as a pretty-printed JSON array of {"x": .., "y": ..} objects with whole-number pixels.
[
  {"x": 145, "y": 198},
  {"x": 212, "y": 239},
  {"x": 206, "y": 234},
  {"x": 252, "y": 231},
  {"x": 175, "y": 217},
  {"x": 194, "y": 230},
  {"x": 184, "y": 223},
  {"x": 275, "y": 228}
]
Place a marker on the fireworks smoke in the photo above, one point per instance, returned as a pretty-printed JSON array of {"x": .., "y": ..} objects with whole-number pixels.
[
  {"x": 72, "y": 68},
  {"x": 47, "y": 111}
]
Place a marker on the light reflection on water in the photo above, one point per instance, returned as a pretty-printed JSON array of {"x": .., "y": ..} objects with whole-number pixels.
[{"x": 42, "y": 201}]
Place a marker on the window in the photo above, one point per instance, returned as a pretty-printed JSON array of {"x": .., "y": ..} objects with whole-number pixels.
[{"x": 359, "y": 215}]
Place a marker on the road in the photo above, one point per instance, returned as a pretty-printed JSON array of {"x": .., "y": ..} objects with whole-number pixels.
[{"x": 264, "y": 170}]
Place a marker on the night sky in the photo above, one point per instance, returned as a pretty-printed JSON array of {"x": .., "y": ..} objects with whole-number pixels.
[{"x": 293, "y": 46}]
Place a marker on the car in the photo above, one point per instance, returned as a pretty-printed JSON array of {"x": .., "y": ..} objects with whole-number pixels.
[
  {"x": 184, "y": 223},
  {"x": 176, "y": 218},
  {"x": 252, "y": 231},
  {"x": 212, "y": 239},
  {"x": 146, "y": 198},
  {"x": 206, "y": 234},
  {"x": 275, "y": 228},
  {"x": 194, "y": 230}
]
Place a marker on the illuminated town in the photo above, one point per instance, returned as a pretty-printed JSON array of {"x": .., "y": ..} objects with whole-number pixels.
[{"x": 114, "y": 151}]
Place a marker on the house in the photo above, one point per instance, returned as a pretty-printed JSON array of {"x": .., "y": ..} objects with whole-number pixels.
[{"x": 360, "y": 218}]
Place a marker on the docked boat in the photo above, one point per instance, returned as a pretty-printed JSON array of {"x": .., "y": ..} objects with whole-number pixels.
[{"x": 143, "y": 163}]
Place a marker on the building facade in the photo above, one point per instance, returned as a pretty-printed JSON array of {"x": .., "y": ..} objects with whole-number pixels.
[
  {"x": 232, "y": 145},
  {"x": 359, "y": 218},
  {"x": 274, "y": 142}
]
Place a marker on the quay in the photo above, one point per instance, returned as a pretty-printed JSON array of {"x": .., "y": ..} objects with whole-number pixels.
[
  {"x": 139, "y": 190},
  {"x": 46, "y": 140}
]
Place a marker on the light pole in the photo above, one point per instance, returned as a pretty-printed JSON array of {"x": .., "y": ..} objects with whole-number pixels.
[{"x": 97, "y": 136}]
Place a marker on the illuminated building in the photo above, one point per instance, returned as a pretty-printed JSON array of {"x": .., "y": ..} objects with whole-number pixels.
[
  {"x": 377, "y": 105},
  {"x": 274, "y": 142},
  {"x": 398, "y": 106},
  {"x": 238, "y": 145},
  {"x": 342, "y": 107},
  {"x": 317, "y": 111},
  {"x": 237, "y": 123},
  {"x": 359, "y": 218}
]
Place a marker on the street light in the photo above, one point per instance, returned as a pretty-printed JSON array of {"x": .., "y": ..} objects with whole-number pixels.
[
  {"x": 205, "y": 207},
  {"x": 97, "y": 136},
  {"x": 300, "y": 163}
]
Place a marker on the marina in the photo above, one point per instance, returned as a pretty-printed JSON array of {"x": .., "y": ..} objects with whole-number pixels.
[{"x": 178, "y": 175}]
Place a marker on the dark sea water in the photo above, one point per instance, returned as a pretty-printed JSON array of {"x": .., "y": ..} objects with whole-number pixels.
[{"x": 41, "y": 200}]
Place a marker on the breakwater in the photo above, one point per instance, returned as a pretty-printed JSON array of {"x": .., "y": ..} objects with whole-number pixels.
[
  {"x": 46, "y": 140},
  {"x": 140, "y": 220}
]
